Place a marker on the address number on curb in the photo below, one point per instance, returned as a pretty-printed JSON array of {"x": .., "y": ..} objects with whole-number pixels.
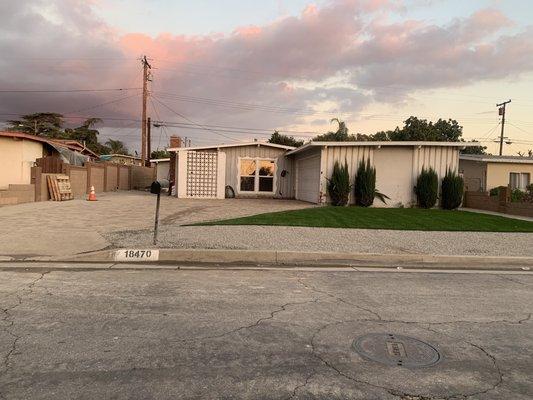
[{"x": 136, "y": 255}]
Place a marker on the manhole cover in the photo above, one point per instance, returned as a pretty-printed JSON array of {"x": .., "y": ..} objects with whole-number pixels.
[{"x": 398, "y": 350}]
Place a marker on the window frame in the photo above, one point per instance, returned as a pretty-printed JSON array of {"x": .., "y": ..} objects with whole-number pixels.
[
  {"x": 526, "y": 176},
  {"x": 256, "y": 175}
]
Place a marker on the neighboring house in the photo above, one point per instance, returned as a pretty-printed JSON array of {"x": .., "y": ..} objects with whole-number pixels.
[
  {"x": 162, "y": 166},
  {"x": 20, "y": 151},
  {"x": 270, "y": 170},
  {"x": 485, "y": 172},
  {"x": 121, "y": 159}
]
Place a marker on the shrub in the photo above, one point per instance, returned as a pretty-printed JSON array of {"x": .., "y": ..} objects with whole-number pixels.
[
  {"x": 427, "y": 187},
  {"x": 517, "y": 196},
  {"x": 452, "y": 191},
  {"x": 494, "y": 191},
  {"x": 339, "y": 185},
  {"x": 365, "y": 185}
]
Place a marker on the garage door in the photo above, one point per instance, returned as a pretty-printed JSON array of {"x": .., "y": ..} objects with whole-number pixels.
[{"x": 308, "y": 179}]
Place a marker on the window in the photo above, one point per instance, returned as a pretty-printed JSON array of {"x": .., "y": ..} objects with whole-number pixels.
[
  {"x": 519, "y": 180},
  {"x": 257, "y": 175}
]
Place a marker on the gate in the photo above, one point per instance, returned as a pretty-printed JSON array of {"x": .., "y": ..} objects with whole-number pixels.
[{"x": 202, "y": 174}]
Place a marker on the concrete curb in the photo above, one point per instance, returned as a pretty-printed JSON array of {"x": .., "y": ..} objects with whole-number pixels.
[{"x": 293, "y": 258}]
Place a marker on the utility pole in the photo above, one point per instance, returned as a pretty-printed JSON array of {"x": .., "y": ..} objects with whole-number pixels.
[
  {"x": 146, "y": 68},
  {"x": 148, "y": 139},
  {"x": 501, "y": 111}
]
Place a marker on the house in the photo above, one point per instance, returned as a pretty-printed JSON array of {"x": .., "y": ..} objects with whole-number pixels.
[
  {"x": 251, "y": 169},
  {"x": 20, "y": 151},
  {"x": 123, "y": 159},
  {"x": 484, "y": 172},
  {"x": 397, "y": 164},
  {"x": 269, "y": 170}
]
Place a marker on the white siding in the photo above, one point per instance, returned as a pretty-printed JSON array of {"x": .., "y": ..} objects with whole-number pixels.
[
  {"x": 308, "y": 178},
  {"x": 284, "y": 185}
]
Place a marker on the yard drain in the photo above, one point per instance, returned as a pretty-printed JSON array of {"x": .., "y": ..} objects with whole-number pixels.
[{"x": 396, "y": 350}]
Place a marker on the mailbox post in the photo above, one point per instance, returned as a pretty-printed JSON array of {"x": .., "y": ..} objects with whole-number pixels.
[{"x": 155, "y": 188}]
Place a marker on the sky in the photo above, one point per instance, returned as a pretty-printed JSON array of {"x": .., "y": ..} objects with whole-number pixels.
[{"x": 224, "y": 72}]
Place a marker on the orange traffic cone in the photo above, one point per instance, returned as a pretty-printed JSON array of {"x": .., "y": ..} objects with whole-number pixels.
[{"x": 92, "y": 195}]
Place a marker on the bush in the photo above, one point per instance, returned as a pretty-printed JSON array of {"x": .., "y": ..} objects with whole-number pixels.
[
  {"x": 494, "y": 191},
  {"x": 365, "y": 185},
  {"x": 452, "y": 191},
  {"x": 339, "y": 185},
  {"x": 517, "y": 196},
  {"x": 427, "y": 187}
]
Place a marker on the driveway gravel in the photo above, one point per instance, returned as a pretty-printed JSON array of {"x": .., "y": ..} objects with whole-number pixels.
[{"x": 331, "y": 240}]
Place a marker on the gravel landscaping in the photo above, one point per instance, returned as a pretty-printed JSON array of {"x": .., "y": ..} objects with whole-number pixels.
[{"x": 331, "y": 240}]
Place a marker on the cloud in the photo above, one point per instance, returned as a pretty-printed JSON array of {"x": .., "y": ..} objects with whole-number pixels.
[{"x": 339, "y": 57}]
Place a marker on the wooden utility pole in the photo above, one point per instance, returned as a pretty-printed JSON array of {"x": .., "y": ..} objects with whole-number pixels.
[
  {"x": 148, "y": 140},
  {"x": 501, "y": 111},
  {"x": 146, "y": 68}
]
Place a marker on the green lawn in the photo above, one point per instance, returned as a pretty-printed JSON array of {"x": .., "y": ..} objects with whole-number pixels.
[{"x": 385, "y": 218}]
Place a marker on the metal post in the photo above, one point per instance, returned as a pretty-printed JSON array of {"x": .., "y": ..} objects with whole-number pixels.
[{"x": 156, "y": 217}]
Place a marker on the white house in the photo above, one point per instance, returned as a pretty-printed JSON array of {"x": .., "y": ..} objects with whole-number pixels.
[{"x": 270, "y": 170}]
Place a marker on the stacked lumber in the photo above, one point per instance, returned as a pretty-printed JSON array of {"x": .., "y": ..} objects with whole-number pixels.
[{"x": 59, "y": 187}]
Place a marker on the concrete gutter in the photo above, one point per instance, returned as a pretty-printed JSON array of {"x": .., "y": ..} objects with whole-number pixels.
[{"x": 256, "y": 258}]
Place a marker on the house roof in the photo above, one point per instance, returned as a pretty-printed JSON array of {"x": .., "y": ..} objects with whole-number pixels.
[
  {"x": 496, "y": 159},
  {"x": 73, "y": 145},
  {"x": 158, "y": 160},
  {"x": 120, "y": 155},
  {"x": 220, "y": 146},
  {"x": 379, "y": 144}
]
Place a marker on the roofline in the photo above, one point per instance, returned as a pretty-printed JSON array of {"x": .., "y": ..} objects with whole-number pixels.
[
  {"x": 496, "y": 159},
  {"x": 220, "y": 146},
  {"x": 51, "y": 142},
  {"x": 120, "y": 155},
  {"x": 382, "y": 143},
  {"x": 158, "y": 160}
]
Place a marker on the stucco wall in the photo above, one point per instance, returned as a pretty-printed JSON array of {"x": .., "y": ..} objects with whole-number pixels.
[
  {"x": 284, "y": 185},
  {"x": 498, "y": 173},
  {"x": 16, "y": 159},
  {"x": 474, "y": 174},
  {"x": 111, "y": 178},
  {"x": 124, "y": 181}
]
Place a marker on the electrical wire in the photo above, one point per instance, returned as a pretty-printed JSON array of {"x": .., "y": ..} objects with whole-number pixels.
[{"x": 65, "y": 91}]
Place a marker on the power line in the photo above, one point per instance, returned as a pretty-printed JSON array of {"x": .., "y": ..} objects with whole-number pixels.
[
  {"x": 64, "y": 91},
  {"x": 190, "y": 120},
  {"x": 117, "y": 100}
]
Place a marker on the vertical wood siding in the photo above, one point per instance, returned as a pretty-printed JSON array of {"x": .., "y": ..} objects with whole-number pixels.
[{"x": 284, "y": 185}]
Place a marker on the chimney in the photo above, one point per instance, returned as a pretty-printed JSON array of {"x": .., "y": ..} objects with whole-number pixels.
[{"x": 175, "y": 141}]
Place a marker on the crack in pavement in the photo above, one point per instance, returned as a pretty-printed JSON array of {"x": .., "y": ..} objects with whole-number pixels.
[
  {"x": 10, "y": 320},
  {"x": 314, "y": 289}
]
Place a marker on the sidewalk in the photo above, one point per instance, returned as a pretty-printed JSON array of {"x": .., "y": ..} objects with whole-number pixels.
[{"x": 497, "y": 213}]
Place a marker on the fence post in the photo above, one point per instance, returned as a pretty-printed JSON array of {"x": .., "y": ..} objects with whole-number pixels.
[
  {"x": 36, "y": 173},
  {"x": 503, "y": 198}
]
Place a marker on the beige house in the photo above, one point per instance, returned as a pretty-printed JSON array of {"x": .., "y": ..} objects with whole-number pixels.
[
  {"x": 122, "y": 159},
  {"x": 485, "y": 172},
  {"x": 270, "y": 170}
]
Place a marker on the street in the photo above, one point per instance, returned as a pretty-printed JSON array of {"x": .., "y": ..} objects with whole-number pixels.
[{"x": 261, "y": 334}]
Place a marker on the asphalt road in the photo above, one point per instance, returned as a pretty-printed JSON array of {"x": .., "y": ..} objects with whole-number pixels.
[{"x": 256, "y": 334}]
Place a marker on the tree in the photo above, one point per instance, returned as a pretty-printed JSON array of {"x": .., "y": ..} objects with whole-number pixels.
[
  {"x": 474, "y": 150},
  {"x": 341, "y": 135},
  {"x": 116, "y": 147},
  {"x": 40, "y": 124},
  {"x": 285, "y": 140},
  {"x": 339, "y": 184},
  {"x": 85, "y": 133},
  {"x": 156, "y": 154}
]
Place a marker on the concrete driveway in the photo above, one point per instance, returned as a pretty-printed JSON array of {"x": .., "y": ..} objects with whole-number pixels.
[{"x": 77, "y": 226}]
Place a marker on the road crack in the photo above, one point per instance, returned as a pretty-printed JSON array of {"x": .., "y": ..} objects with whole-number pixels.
[{"x": 9, "y": 319}]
